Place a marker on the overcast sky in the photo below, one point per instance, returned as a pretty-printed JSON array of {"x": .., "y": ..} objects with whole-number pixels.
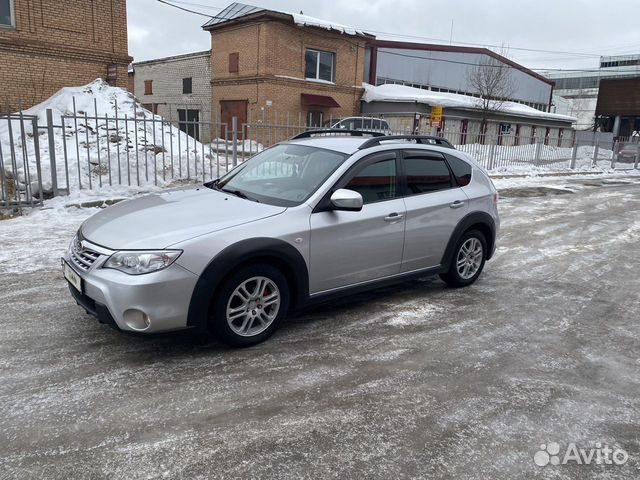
[{"x": 566, "y": 34}]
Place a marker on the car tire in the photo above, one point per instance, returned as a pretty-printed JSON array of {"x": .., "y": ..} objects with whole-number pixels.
[
  {"x": 249, "y": 306},
  {"x": 468, "y": 260}
]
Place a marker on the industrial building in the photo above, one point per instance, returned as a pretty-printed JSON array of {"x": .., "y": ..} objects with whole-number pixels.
[
  {"x": 618, "y": 106},
  {"x": 447, "y": 68},
  {"x": 576, "y": 92}
]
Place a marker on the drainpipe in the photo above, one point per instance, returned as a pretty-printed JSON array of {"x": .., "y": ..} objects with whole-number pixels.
[{"x": 616, "y": 126}]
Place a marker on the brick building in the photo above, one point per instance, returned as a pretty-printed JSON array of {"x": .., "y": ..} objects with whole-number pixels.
[
  {"x": 46, "y": 45},
  {"x": 179, "y": 89},
  {"x": 265, "y": 61}
]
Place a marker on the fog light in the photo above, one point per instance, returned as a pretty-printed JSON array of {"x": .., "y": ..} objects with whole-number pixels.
[{"x": 137, "y": 319}]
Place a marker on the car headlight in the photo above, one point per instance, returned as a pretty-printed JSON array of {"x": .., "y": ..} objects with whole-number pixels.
[{"x": 138, "y": 263}]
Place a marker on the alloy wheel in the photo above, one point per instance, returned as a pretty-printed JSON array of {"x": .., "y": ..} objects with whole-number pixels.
[
  {"x": 253, "y": 306},
  {"x": 469, "y": 258}
]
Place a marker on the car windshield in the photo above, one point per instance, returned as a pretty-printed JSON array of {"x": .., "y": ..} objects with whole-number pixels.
[{"x": 284, "y": 175}]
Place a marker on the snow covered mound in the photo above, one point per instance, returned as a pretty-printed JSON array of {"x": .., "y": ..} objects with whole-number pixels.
[
  {"x": 97, "y": 93},
  {"x": 104, "y": 145}
]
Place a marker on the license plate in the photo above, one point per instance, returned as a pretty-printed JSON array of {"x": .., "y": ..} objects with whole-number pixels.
[{"x": 71, "y": 276}]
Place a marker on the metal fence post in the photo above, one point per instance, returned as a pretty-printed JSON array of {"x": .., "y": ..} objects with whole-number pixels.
[
  {"x": 596, "y": 149},
  {"x": 36, "y": 148},
  {"x": 536, "y": 158},
  {"x": 614, "y": 154},
  {"x": 52, "y": 152},
  {"x": 574, "y": 155},
  {"x": 492, "y": 155},
  {"x": 635, "y": 164},
  {"x": 234, "y": 147}
]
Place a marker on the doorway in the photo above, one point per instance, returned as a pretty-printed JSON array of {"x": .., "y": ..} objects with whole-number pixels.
[{"x": 230, "y": 109}]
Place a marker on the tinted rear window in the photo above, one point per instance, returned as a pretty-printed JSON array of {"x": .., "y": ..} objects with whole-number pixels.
[
  {"x": 426, "y": 173},
  {"x": 461, "y": 170}
]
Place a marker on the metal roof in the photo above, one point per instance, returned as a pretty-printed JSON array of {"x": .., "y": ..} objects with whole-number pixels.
[{"x": 233, "y": 11}]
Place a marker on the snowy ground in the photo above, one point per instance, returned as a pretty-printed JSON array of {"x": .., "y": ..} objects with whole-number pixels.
[{"x": 411, "y": 381}]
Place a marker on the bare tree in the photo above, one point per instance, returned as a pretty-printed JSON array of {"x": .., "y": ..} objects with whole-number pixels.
[{"x": 492, "y": 79}]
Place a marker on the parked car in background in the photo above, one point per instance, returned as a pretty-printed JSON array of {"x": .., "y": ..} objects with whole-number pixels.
[
  {"x": 298, "y": 223},
  {"x": 628, "y": 151},
  {"x": 361, "y": 123}
]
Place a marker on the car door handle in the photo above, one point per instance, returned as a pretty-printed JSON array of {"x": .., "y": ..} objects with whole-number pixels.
[
  {"x": 457, "y": 204},
  {"x": 393, "y": 217}
]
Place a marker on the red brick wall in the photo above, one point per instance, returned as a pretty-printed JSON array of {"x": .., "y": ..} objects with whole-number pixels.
[
  {"x": 270, "y": 50},
  {"x": 56, "y": 44}
]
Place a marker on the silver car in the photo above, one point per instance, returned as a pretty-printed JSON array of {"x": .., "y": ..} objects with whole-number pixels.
[{"x": 298, "y": 223}]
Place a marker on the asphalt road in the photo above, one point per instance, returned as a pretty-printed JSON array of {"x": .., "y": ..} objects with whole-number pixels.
[{"x": 414, "y": 381}]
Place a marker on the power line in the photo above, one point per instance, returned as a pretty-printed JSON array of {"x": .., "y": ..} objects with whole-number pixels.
[
  {"x": 192, "y": 4},
  {"x": 556, "y": 52},
  {"x": 185, "y": 9}
]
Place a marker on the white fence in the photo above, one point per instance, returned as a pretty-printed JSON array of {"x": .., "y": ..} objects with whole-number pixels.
[{"x": 42, "y": 156}]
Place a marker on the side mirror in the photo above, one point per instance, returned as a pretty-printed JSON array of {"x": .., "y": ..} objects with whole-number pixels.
[{"x": 344, "y": 199}]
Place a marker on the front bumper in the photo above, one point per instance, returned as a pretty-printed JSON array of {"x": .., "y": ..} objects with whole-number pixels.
[{"x": 107, "y": 294}]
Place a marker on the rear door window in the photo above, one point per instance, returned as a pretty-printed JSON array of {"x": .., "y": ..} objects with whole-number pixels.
[{"x": 425, "y": 172}]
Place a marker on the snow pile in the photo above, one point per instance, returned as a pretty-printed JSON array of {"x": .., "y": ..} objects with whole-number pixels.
[
  {"x": 402, "y": 93},
  {"x": 103, "y": 151}
]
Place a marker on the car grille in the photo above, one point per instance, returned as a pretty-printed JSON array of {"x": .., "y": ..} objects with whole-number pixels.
[{"x": 82, "y": 257}]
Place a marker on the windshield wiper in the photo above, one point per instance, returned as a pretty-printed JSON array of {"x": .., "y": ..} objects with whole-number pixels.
[
  {"x": 213, "y": 185},
  {"x": 240, "y": 194}
]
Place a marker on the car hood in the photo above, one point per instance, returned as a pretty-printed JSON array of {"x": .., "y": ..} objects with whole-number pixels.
[{"x": 159, "y": 220}]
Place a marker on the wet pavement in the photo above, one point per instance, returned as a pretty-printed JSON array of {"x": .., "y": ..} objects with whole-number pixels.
[{"x": 413, "y": 381}]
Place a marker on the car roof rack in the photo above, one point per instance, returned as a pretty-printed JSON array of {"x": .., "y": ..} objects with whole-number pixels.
[
  {"x": 351, "y": 133},
  {"x": 420, "y": 139}
]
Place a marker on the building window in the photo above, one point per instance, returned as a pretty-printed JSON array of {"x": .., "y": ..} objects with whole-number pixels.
[
  {"x": 152, "y": 107},
  {"x": 234, "y": 62},
  {"x": 189, "y": 122},
  {"x": 148, "y": 87},
  {"x": 187, "y": 85},
  {"x": 6, "y": 13},
  {"x": 320, "y": 66}
]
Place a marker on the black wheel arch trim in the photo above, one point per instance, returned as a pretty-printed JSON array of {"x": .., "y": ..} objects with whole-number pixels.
[
  {"x": 248, "y": 251},
  {"x": 485, "y": 221}
]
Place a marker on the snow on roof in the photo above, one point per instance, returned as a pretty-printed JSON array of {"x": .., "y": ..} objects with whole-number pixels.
[
  {"x": 238, "y": 10},
  {"x": 402, "y": 93},
  {"x": 307, "y": 21}
]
